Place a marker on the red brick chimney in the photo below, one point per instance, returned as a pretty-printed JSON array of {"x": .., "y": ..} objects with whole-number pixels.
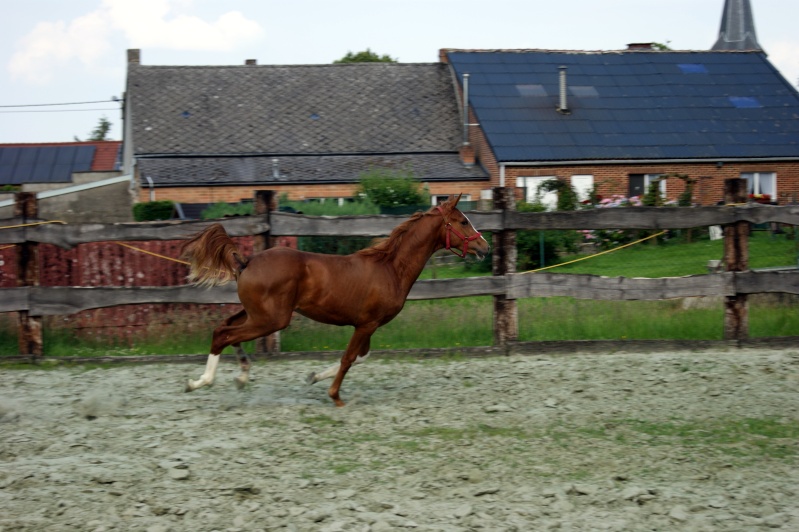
[{"x": 467, "y": 155}]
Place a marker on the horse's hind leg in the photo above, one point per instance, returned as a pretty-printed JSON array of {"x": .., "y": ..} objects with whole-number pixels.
[
  {"x": 207, "y": 378},
  {"x": 245, "y": 362},
  {"x": 330, "y": 372}
]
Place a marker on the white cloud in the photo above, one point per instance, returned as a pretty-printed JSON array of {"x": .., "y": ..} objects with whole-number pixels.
[
  {"x": 165, "y": 24},
  {"x": 782, "y": 54}
]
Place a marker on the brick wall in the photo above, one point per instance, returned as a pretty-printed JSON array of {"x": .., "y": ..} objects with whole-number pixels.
[{"x": 233, "y": 194}]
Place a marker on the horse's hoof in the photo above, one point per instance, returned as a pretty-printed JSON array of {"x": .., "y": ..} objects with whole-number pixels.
[
  {"x": 189, "y": 387},
  {"x": 240, "y": 384},
  {"x": 311, "y": 378}
]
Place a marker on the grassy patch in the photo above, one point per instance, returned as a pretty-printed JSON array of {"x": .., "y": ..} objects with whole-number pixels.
[
  {"x": 677, "y": 257},
  {"x": 766, "y": 437}
]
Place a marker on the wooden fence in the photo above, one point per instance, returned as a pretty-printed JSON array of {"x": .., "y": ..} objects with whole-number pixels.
[{"x": 32, "y": 301}]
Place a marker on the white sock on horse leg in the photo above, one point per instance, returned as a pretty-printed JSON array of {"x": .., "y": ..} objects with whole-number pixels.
[{"x": 208, "y": 375}]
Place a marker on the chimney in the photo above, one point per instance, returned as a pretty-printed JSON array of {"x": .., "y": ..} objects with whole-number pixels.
[
  {"x": 443, "y": 56},
  {"x": 641, "y": 46},
  {"x": 467, "y": 155},
  {"x": 465, "y": 109},
  {"x": 563, "y": 106},
  {"x": 250, "y": 62},
  {"x": 134, "y": 55}
]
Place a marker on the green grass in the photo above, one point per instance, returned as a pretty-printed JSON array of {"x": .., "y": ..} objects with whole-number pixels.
[
  {"x": 454, "y": 323},
  {"x": 737, "y": 437},
  {"x": 676, "y": 257}
]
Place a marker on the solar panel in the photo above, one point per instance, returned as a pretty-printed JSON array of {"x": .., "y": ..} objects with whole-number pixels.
[
  {"x": 692, "y": 68},
  {"x": 745, "y": 102},
  {"x": 44, "y": 164}
]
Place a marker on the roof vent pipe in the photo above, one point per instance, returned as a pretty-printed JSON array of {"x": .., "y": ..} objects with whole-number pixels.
[
  {"x": 466, "y": 109},
  {"x": 563, "y": 106},
  {"x": 275, "y": 169}
]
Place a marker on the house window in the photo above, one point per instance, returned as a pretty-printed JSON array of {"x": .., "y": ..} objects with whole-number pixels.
[
  {"x": 532, "y": 194},
  {"x": 639, "y": 184},
  {"x": 583, "y": 185},
  {"x": 761, "y": 183},
  {"x": 438, "y": 199}
]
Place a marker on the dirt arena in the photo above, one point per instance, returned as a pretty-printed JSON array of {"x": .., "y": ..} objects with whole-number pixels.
[{"x": 668, "y": 441}]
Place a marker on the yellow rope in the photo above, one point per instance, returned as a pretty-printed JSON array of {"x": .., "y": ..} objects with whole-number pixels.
[
  {"x": 32, "y": 223},
  {"x": 8, "y": 246},
  {"x": 596, "y": 254},
  {"x": 151, "y": 253}
]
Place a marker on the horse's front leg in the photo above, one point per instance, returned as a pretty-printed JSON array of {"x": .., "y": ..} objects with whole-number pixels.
[{"x": 357, "y": 347}]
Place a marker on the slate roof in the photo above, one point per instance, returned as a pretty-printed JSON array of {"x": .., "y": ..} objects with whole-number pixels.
[
  {"x": 319, "y": 169},
  {"x": 631, "y": 105},
  {"x": 282, "y": 110},
  {"x": 195, "y": 125},
  {"x": 55, "y": 162}
]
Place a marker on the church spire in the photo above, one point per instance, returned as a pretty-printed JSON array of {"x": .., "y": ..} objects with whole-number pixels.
[{"x": 737, "y": 27}]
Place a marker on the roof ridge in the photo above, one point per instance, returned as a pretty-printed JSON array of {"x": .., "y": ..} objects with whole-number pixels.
[
  {"x": 623, "y": 50},
  {"x": 373, "y": 64}
]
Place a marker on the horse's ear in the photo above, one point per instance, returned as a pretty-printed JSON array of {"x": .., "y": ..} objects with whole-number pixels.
[{"x": 454, "y": 202}]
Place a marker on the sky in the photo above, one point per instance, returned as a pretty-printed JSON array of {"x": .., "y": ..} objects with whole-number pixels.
[{"x": 69, "y": 52}]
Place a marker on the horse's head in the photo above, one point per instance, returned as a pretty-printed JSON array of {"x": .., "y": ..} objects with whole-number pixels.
[{"x": 459, "y": 234}]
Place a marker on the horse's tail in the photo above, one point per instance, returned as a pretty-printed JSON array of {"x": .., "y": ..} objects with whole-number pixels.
[{"x": 213, "y": 257}]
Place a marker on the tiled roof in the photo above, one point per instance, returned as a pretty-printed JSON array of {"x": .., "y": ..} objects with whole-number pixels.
[
  {"x": 357, "y": 108},
  {"x": 190, "y": 171},
  {"x": 631, "y": 105},
  {"x": 55, "y": 162}
]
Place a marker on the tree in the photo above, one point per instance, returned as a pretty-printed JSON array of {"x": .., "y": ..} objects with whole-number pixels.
[
  {"x": 100, "y": 132},
  {"x": 366, "y": 56}
]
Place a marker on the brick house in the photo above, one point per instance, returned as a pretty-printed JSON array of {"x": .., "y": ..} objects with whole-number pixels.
[
  {"x": 611, "y": 122},
  {"x": 206, "y": 134},
  {"x": 616, "y": 120}
]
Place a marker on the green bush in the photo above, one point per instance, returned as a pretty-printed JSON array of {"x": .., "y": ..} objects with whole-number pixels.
[
  {"x": 220, "y": 210},
  {"x": 530, "y": 253},
  {"x": 392, "y": 188},
  {"x": 153, "y": 210}
]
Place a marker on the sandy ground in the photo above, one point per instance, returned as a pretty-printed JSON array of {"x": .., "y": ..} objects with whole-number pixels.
[{"x": 668, "y": 441}]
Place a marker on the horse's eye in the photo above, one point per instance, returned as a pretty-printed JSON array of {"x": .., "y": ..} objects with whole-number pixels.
[{"x": 464, "y": 223}]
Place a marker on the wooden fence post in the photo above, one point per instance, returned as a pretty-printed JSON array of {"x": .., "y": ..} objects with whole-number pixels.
[
  {"x": 736, "y": 259},
  {"x": 29, "y": 328},
  {"x": 506, "y": 313},
  {"x": 265, "y": 202}
]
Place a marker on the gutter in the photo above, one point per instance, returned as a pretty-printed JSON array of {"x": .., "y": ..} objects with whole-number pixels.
[{"x": 599, "y": 162}]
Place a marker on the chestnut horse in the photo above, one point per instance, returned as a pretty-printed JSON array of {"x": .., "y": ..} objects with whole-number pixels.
[{"x": 365, "y": 289}]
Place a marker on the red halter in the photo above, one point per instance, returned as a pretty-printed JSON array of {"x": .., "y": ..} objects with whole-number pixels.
[{"x": 464, "y": 238}]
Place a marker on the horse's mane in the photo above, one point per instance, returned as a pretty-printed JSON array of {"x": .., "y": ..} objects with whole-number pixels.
[{"x": 387, "y": 248}]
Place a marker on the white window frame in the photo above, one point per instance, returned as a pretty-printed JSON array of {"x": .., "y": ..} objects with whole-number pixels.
[
  {"x": 761, "y": 183},
  {"x": 648, "y": 180},
  {"x": 531, "y": 184},
  {"x": 583, "y": 184}
]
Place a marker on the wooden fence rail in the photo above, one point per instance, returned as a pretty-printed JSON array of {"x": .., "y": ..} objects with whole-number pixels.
[{"x": 36, "y": 301}]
